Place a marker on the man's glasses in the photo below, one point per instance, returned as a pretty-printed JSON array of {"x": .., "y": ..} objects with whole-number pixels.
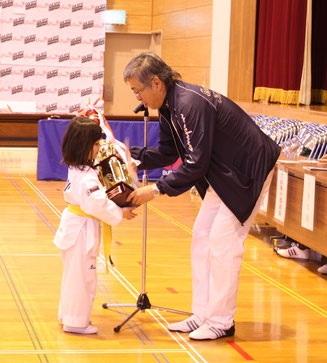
[{"x": 137, "y": 94}]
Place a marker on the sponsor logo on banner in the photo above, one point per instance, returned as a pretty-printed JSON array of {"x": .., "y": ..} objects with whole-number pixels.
[
  {"x": 18, "y": 55},
  {"x": 51, "y": 107},
  {"x": 5, "y": 72},
  {"x": 17, "y": 89},
  {"x": 18, "y": 21},
  {"x": 100, "y": 8},
  {"x": 41, "y": 56},
  {"x": 54, "y": 6},
  {"x": 63, "y": 91},
  {"x": 40, "y": 90},
  {"x": 29, "y": 73},
  {"x": 64, "y": 57},
  {"x": 88, "y": 24},
  {"x": 74, "y": 108},
  {"x": 87, "y": 58},
  {"x": 76, "y": 41},
  {"x": 75, "y": 74},
  {"x": 7, "y": 4},
  {"x": 42, "y": 22},
  {"x": 97, "y": 75},
  {"x": 6, "y": 37},
  {"x": 53, "y": 40},
  {"x": 65, "y": 23},
  {"x": 30, "y": 39},
  {"x": 52, "y": 74},
  {"x": 86, "y": 91},
  {"x": 98, "y": 42},
  {"x": 31, "y": 5},
  {"x": 77, "y": 7}
]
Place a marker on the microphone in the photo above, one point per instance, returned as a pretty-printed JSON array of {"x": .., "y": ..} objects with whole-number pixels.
[{"x": 139, "y": 108}]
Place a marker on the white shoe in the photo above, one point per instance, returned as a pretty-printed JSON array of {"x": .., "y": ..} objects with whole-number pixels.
[
  {"x": 294, "y": 252},
  {"x": 88, "y": 330},
  {"x": 323, "y": 269},
  {"x": 208, "y": 331},
  {"x": 187, "y": 325}
]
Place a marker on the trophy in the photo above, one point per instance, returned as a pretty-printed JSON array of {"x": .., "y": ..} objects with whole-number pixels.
[{"x": 113, "y": 174}]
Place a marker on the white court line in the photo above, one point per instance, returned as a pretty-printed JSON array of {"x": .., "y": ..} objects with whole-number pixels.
[
  {"x": 113, "y": 271},
  {"x": 57, "y": 212},
  {"x": 43, "y": 197}
]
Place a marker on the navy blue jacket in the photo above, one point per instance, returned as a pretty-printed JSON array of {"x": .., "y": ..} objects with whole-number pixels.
[{"x": 218, "y": 143}]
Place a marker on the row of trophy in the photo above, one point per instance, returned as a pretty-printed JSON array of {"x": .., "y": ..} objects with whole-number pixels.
[{"x": 296, "y": 138}]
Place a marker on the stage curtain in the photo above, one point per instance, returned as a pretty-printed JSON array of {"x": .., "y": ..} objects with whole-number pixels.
[
  {"x": 280, "y": 50},
  {"x": 306, "y": 79},
  {"x": 319, "y": 51}
]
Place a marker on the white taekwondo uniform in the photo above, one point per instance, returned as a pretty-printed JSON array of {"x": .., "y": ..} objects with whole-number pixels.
[{"x": 78, "y": 238}]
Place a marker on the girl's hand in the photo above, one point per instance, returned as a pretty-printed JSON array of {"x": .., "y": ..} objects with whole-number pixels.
[{"x": 128, "y": 213}]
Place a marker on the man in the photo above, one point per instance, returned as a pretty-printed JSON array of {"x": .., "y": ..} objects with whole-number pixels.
[{"x": 228, "y": 159}]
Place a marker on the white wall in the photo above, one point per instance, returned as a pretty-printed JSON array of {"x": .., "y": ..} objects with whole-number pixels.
[{"x": 220, "y": 46}]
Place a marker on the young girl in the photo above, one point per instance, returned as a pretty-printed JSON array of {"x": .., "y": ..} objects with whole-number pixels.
[{"x": 78, "y": 235}]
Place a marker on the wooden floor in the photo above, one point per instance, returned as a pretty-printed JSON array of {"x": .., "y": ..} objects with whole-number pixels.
[{"x": 282, "y": 304}]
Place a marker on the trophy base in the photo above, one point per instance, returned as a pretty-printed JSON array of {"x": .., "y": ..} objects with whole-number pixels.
[{"x": 118, "y": 194}]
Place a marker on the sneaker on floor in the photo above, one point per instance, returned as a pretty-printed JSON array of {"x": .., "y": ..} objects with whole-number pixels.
[
  {"x": 294, "y": 252},
  {"x": 208, "y": 331},
  {"x": 187, "y": 325},
  {"x": 280, "y": 243},
  {"x": 323, "y": 269},
  {"x": 88, "y": 330}
]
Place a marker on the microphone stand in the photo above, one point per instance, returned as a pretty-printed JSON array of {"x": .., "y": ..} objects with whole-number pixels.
[{"x": 143, "y": 301}]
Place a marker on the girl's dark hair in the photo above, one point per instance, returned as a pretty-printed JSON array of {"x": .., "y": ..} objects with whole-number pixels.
[
  {"x": 80, "y": 136},
  {"x": 145, "y": 66}
]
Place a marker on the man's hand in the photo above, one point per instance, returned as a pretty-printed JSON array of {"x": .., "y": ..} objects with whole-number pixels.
[{"x": 141, "y": 195}]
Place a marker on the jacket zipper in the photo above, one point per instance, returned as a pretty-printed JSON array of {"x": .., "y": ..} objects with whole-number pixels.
[{"x": 172, "y": 134}]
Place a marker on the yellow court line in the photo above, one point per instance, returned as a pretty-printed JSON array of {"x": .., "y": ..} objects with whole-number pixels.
[
  {"x": 288, "y": 291},
  {"x": 246, "y": 265},
  {"x": 170, "y": 219}
]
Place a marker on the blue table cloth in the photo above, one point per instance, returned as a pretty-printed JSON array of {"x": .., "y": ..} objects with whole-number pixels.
[{"x": 51, "y": 132}]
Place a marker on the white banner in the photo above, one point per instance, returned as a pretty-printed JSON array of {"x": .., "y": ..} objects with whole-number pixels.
[
  {"x": 51, "y": 53},
  {"x": 308, "y": 202},
  {"x": 281, "y": 195}
]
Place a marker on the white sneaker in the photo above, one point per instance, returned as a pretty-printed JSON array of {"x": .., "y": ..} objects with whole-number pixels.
[
  {"x": 294, "y": 252},
  {"x": 208, "y": 331},
  {"x": 323, "y": 269},
  {"x": 88, "y": 330},
  {"x": 187, "y": 325}
]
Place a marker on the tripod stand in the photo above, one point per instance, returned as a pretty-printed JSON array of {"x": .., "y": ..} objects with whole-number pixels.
[{"x": 143, "y": 301}]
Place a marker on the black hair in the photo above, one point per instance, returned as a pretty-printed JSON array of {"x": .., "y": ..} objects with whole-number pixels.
[
  {"x": 145, "y": 66},
  {"x": 80, "y": 136}
]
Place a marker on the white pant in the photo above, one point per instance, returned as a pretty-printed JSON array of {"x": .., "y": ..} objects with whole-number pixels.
[
  {"x": 79, "y": 281},
  {"x": 217, "y": 252}
]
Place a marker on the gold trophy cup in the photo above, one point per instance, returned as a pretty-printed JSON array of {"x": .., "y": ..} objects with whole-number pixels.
[{"x": 114, "y": 175}]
